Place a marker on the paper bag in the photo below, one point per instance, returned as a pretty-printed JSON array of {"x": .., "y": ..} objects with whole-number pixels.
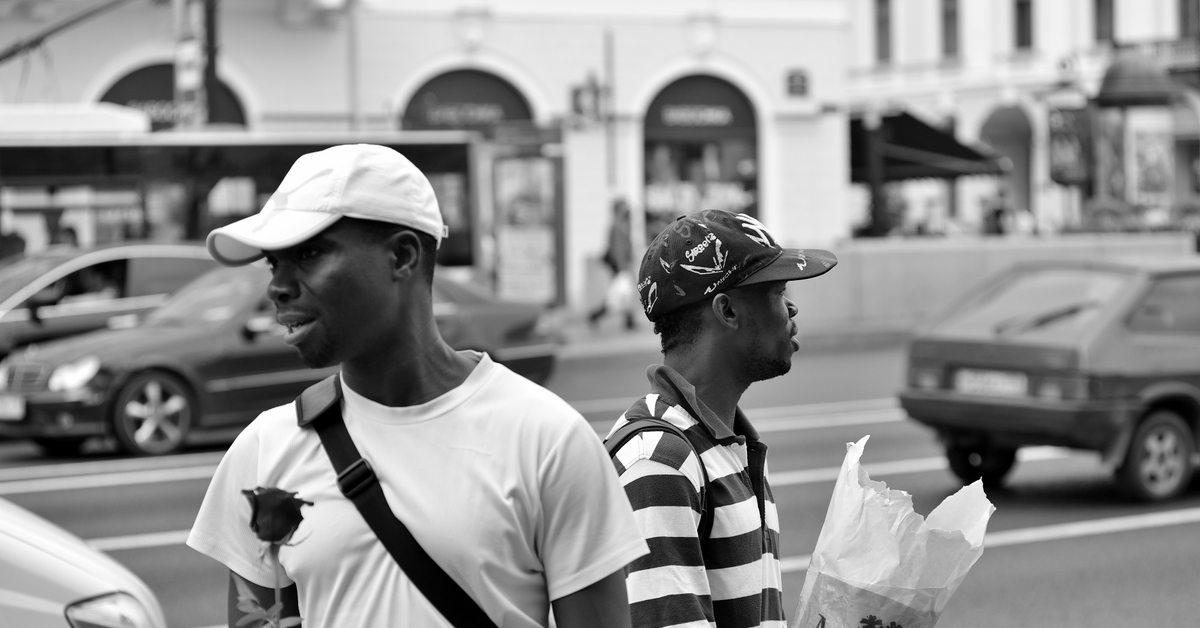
[{"x": 879, "y": 564}]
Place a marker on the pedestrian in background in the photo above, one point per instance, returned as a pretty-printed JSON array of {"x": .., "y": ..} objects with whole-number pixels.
[
  {"x": 501, "y": 482},
  {"x": 620, "y": 296},
  {"x": 713, "y": 284}
]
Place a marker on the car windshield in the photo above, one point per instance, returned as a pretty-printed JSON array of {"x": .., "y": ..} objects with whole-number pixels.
[
  {"x": 1056, "y": 304},
  {"x": 18, "y": 273},
  {"x": 213, "y": 298}
]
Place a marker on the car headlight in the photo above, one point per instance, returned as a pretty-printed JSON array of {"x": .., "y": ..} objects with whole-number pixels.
[
  {"x": 75, "y": 375},
  {"x": 115, "y": 610},
  {"x": 925, "y": 378}
]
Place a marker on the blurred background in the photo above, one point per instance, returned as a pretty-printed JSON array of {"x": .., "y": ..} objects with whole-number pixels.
[{"x": 928, "y": 143}]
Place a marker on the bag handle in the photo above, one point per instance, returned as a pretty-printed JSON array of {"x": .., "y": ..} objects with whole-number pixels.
[{"x": 320, "y": 406}]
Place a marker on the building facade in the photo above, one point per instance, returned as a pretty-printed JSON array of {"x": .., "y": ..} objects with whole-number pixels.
[
  {"x": 674, "y": 106},
  {"x": 1025, "y": 78}
]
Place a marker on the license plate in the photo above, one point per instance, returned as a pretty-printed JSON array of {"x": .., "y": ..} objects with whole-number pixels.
[
  {"x": 12, "y": 407},
  {"x": 998, "y": 383}
]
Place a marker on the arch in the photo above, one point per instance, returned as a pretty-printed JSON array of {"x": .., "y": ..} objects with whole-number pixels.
[
  {"x": 159, "y": 53},
  {"x": 465, "y": 99},
  {"x": 529, "y": 88},
  {"x": 1009, "y": 130},
  {"x": 700, "y": 143}
]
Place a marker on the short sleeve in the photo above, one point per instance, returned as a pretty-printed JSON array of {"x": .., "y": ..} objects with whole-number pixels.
[
  {"x": 222, "y": 529},
  {"x": 587, "y": 529}
]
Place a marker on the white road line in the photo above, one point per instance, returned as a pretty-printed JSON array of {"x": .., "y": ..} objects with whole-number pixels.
[
  {"x": 109, "y": 466},
  {"x": 897, "y": 467},
  {"x": 1057, "y": 532},
  {"x": 139, "y": 541},
  {"x": 106, "y": 480},
  {"x": 617, "y": 405}
]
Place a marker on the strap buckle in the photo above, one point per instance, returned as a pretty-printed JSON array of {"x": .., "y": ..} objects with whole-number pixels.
[{"x": 356, "y": 478}]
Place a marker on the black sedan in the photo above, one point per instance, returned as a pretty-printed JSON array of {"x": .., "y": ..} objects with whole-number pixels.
[{"x": 212, "y": 358}]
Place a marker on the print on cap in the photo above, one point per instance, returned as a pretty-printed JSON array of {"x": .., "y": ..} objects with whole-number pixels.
[{"x": 757, "y": 231}]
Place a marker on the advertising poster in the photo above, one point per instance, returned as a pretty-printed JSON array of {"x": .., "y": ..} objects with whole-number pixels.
[
  {"x": 1110, "y": 153},
  {"x": 526, "y": 256},
  {"x": 1150, "y": 156},
  {"x": 1068, "y": 146}
]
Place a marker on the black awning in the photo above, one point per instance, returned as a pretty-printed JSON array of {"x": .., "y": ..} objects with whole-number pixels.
[{"x": 912, "y": 149}]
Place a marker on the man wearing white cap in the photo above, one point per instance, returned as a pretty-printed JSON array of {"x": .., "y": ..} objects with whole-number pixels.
[{"x": 500, "y": 482}]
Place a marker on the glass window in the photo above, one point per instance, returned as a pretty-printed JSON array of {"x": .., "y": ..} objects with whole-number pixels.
[
  {"x": 1170, "y": 306},
  {"x": 163, "y": 275},
  {"x": 950, "y": 29},
  {"x": 1189, "y": 19},
  {"x": 883, "y": 31},
  {"x": 1055, "y": 304},
  {"x": 213, "y": 298},
  {"x": 1023, "y": 24},
  {"x": 1104, "y": 20},
  {"x": 98, "y": 282}
]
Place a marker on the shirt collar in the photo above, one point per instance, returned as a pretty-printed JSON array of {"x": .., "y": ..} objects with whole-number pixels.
[{"x": 678, "y": 391}]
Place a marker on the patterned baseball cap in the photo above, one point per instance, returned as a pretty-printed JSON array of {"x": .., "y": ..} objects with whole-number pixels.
[{"x": 712, "y": 251}]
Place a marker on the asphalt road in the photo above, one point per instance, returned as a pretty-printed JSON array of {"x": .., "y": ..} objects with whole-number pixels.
[{"x": 1063, "y": 549}]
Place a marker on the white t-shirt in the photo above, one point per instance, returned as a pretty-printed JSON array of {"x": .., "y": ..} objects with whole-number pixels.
[{"x": 502, "y": 482}]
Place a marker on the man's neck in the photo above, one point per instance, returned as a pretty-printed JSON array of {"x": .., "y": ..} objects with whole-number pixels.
[
  {"x": 712, "y": 380},
  {"x": 408, "y": 376}
]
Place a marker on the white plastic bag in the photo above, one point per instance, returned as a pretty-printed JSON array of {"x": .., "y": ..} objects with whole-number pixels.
[{"x": 879, "y": 564}]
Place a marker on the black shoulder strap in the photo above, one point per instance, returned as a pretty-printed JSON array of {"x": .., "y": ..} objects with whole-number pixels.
[
  {"x": 320, "y": 407},
  {"x": 647, "y": 423}
]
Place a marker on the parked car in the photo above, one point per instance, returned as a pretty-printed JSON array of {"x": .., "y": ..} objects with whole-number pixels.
[
  {"x": 1093, "y": 355},
  {"x": 212, "y": 358},
  {"x": 65, "y": 291},
  {"x": 50, "y": 578}
]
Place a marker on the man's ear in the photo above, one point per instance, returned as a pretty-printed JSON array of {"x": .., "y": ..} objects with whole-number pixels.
[
  {"x": 405, "y": 249},
  {"x": 724, "y": 311}
]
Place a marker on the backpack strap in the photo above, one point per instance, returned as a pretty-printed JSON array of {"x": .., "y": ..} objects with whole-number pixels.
[
  {"x": 320, "y": 407},
  {"x": 638, "y": 424}
]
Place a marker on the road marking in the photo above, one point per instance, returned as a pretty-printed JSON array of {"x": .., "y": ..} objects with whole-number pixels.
[
  {"x": 618, "y": 405},
  {"x": 1057, "y": 532},
  {"x": 107, "y": 480},
  {"x": 108, "y": 466},
  {"x": 898, "y": 467},
  {"x": 1020, "y": 536}
]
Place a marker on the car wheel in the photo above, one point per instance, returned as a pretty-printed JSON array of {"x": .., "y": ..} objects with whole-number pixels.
[
  {"x": 1158, "y": 464},
  {"x": 152, "y": 414},
  {"x": 61, "y": 447},
  {"x": 976, "y": 462}
]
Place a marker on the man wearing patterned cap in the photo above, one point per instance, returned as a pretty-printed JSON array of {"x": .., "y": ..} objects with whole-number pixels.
[
  {"x": 713, "y": 284},
  {"x": 501, "y": 483}
]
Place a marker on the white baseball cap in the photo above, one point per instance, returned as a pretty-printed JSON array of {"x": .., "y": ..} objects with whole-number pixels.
[{"x": 354, "y": 180}]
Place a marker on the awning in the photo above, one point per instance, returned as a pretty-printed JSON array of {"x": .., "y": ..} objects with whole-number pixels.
[{"x": 911, "y": 149}]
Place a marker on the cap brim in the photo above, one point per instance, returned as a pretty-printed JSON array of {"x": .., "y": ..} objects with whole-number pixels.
[
  {"x": 794, "y": 264},
  {"x": 244, "y": 241}
]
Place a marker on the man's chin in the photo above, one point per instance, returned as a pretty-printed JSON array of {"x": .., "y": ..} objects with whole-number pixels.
[{"x": 316, "y": 359}]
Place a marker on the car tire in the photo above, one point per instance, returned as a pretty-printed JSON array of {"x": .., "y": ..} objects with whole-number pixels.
[
  {"x": 152, "y": 414},
  {"x": 977, "y": 462},
  {"x": 61, "y": 447},
  {"x": 1158, "y": 464}
]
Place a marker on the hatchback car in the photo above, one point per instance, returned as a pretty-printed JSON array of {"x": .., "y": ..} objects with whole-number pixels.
[
  {"x": 49, "y": 578},
  {"x": 1094, "y": 355},
  {"x": 65, "y": 291},
  {"x": 212, "y": 358}
]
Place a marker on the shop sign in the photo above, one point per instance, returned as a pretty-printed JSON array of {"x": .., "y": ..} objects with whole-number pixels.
[
  {"x": 696, "y": 115},
  {"x": 1068, "y": 146}
]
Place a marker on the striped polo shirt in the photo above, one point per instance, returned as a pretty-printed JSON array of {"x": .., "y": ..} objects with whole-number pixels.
[{"x": 731, "y": 579}]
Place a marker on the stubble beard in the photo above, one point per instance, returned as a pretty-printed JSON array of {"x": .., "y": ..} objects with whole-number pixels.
[
  {"x": 757, "y": 368},
  {"x": 317, "y": 353}
]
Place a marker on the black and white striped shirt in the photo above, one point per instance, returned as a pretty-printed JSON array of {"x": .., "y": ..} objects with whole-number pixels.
[{"x": 731, "y": 579}]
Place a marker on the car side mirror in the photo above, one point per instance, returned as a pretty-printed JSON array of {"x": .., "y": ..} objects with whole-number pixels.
[
  {"x": 42, "y": 298},
  {"x": 256, "y": 326}
]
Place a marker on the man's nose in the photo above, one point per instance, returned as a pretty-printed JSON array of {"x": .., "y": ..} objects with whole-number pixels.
[
  {"x": 283, "y": 286},
  {"x": 791, "y": 308}
]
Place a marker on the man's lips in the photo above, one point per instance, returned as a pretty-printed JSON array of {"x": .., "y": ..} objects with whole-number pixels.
[{"x": 294, "y": 321}]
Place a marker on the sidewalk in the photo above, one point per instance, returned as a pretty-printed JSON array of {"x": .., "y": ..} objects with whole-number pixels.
[{"x": 610, "y": 337}]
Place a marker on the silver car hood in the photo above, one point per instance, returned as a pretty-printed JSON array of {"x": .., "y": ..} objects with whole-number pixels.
[{"x": 44, "y": 567}]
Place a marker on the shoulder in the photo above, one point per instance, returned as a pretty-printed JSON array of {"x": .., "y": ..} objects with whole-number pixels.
[
  {"x": 656, "y": 444},
  {"x": 520, "y": 397}
]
